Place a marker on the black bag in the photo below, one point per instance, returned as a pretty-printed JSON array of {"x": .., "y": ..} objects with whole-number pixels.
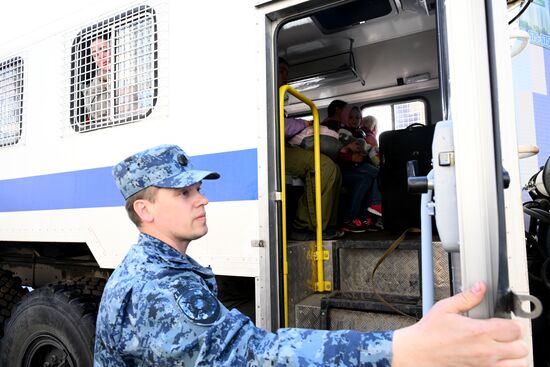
[{"x": 401, "y": 209}]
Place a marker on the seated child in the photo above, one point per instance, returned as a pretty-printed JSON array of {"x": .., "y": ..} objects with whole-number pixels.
[
  {"x": 351, "y": 132},
  {"x": 369, "y": 125},
  {"x": 359, "y": 175}
]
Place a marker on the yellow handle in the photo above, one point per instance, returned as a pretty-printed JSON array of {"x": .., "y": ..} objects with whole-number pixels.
[{"x": 321, "y": 286}]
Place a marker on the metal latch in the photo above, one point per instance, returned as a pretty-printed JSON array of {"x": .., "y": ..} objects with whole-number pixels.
[
  {"x": 446, "y": 159},
  {"x": 327, "y": 286},
  {"x": 257, "y": 243},
  {"x": 326, "y": 255},
  {"x": 517, "y": 309},
  {"x": 277, "y": 196},
  {"x": 512, "y": 302}
]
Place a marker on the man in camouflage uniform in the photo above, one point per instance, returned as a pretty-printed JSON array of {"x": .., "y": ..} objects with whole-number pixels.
[{"x": 159, "y": 307}]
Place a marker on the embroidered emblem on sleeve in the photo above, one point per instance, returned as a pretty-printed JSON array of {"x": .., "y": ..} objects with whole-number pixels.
[{"x": 199, "y": 306}]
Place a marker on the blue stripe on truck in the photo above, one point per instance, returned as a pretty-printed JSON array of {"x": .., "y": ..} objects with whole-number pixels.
[{"x": 93, "y": 188}]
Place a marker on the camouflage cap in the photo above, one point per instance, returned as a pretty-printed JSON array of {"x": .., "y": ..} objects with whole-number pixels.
[{"x": 163, "y": 166}]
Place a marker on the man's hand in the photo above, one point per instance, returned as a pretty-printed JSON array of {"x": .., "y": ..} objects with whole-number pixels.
[{"x": 444, "y": 337}]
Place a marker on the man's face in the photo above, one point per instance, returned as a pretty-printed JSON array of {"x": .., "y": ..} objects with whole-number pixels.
[
  {"x": 179, "y": 214},
  {"x": 283, "y": 74},
  {"x": 101, "y": 53}
]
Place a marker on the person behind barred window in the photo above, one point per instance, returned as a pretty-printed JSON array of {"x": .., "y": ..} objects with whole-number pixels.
[
  {"x": 97, "y": 93},
  {"x": 160, "y": 307}
]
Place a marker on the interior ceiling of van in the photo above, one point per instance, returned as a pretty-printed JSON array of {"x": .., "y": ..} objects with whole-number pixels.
[
  {"x": 364, "y": 21},
  {"x": 332, "y": 30}
]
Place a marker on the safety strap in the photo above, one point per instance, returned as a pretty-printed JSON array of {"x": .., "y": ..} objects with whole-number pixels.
[{"x": 388, "y": 252}]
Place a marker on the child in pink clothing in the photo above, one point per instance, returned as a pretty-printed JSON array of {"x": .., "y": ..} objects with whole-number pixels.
[
  {"x": 359, "y": 175},
  {"x": 369, "y": 125}
]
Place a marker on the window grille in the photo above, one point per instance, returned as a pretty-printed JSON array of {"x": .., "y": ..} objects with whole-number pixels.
[
  {"x": 11, "y": 101},
  {"x": 409, "y": 113},
  {"x": 393, "y": 116},
  {"x": 114, "y": 71}
]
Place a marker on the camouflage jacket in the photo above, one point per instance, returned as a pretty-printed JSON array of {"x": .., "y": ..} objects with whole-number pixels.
[{"x": 159, "y": 308}]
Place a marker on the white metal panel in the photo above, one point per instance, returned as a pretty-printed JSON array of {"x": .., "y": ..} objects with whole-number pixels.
[
  {"x": 203, "y": 117},
  {"x": 109, "y": 234},
  {"x": 200, "y": 81},
  {"x": 515, "y": 231},
  {"x": 470, "y": 105},
  {"x": 215, "y": 86},
  {"x": 107, "y": 231},
  {"x": 228, "y": 248}
]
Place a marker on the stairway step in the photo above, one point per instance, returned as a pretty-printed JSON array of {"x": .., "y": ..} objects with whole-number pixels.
[
  {"x": 356, "y": 311},
  {"x": 342, "y": 319},
  {"x": 308, "y": 312},
  {"x": 399, "y": 274},
  {"x": 367, "y": 312}
]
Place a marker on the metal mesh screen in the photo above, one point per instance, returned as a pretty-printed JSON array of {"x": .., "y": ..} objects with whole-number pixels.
[
  {"x": 409, "y": 113},
  {"x": 398, "y": 274},
  {"x": 11, "y": 101},
  {"x": 114, "y": 71},
  {"x": 308, "y": 312}
]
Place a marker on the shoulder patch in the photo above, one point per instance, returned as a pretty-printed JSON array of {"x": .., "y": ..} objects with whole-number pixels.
[{"x": 199, "y": 306}]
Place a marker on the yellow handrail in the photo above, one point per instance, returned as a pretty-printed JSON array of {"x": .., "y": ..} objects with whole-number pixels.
[{"x": 320, "y": 286}]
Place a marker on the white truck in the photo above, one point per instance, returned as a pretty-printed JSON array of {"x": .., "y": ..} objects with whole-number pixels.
[{"x": 203, "y": 75}]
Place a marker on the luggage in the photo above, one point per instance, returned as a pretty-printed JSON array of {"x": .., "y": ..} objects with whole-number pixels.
[{"x": 401, "y": 209}]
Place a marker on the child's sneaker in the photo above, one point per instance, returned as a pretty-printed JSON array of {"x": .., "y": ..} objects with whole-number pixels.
[
  {"x": 378, "y": 224},
  {"x": 369, "y": 225},
  {"x": 354, "y": 226},
  {"x": 375, "y": 209}
]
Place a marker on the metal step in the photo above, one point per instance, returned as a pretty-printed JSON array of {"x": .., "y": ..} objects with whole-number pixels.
[
  {"x": 354, "y": 260},
  {"x": 349, "y": 269},
  {"x": 354, "y": 311},
  {"x": 308, "y": 312}
]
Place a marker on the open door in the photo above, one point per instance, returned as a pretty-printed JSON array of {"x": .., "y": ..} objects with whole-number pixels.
[{"x": 474, "y": 41}]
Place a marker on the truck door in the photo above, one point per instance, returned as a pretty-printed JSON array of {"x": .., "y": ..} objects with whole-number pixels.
[{"x": 478, "y": 99}]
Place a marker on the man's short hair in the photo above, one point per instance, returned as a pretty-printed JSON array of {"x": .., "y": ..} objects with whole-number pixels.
[
  {"x": 149, "y": 194},
  {"x": 337, "y": 103}
]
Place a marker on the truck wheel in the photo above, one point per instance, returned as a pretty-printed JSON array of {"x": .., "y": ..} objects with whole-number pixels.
[
  {"x": 92, "y": 287},
  {"x": 52, "y": 326},
  {"x": 11, "y": 292}
]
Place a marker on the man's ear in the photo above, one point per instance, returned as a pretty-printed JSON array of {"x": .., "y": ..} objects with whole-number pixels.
[{"x": 141, "y": 207}]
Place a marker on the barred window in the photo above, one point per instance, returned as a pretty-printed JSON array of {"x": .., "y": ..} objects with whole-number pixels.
[
  {"x": 11, "y": 101},
  {"x": 397, "y": 115},
  {"x": 114, "y": 71},
  {"x": 408, "y": 113}
]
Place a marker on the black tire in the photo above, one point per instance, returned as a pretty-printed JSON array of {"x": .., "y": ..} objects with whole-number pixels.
[
  {"x": 92, "y": 287},
  {"x": 11, "y": 292},
  {"x": 51, "y": 326}
]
